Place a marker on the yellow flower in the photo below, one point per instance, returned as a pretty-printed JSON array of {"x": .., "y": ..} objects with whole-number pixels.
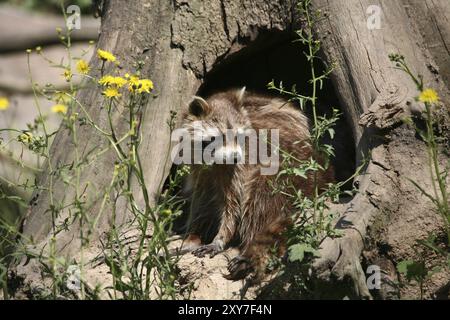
[
  {"x": 139, "y": 85},
  {"x": 112, "y": 81},
  {"x": 59, "y": 108},
  {"x": 67, "y": 74},
  {"x": 83, "y": 67},
  {"x": 25, "y": 137},
  {"x": 4, "y": 103},
  {"x": 429, "y": 96},
  {"x": 105, "y": 80},
  {"x": 117, "y": 81},
  {"x": 133, "y": 82},
  {"x": 145, "y": 85},
  {"x": 105, "y": 55},
  {"x": 111, "y": 92}
]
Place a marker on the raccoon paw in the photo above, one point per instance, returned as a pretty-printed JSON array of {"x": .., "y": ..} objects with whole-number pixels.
[
  {"x": 239, "y": 267},
  {"x": 212, "y": 249}
]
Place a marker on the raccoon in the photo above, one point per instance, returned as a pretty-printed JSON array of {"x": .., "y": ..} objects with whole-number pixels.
[{"x": 232, "y": 202}]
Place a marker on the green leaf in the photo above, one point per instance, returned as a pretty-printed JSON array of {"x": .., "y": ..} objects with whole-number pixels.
[
  {"x": 413, "y": 270},
  {"x": 300, "y": 173},
  {"x": 297, "y": 252},
  {"x": 402, "y": 266},
  {"x": 331, "y": 132}
]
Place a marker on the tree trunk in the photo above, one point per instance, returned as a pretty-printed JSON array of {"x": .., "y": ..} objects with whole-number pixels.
[{"x": 185, "y": 46}]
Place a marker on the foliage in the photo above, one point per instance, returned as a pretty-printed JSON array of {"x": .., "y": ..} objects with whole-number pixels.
[
  {"x": 438, "y": 174},
  {"x": 312, "y": 220},
  {"x": 140, "y": 269}
]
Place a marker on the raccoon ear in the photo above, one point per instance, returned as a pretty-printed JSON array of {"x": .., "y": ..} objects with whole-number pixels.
[
  {"x": 240, "y": 96},
  {"x": 199, "y": 107}
]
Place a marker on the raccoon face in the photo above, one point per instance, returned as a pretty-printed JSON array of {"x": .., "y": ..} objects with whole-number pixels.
[{"x": 215, "y": 124}]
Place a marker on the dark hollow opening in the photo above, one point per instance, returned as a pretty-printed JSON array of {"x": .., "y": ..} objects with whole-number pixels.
[{"x": 276, "y": 56}]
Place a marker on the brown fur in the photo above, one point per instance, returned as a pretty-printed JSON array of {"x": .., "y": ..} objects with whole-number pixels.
[{"x": 236, "y": 202}]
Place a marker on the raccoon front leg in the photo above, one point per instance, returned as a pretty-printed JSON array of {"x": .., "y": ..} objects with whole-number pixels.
[
  {"x": 261, "y": 229},
  {"x": 201, "y": 221},
  {"x": 190, "y": 243},
  {"x": 229, "y": 194},
  {"x": 226, "y": 233},
  {"x": 256, "y": 253}
]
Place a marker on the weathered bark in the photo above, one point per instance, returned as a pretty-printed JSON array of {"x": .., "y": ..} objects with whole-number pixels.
[
  {"x": 370, "y": 87},
  {"x": 433, "y": 23},
  {"x": 130, "y": 41},
  {"x": 183, "y": 41}
]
